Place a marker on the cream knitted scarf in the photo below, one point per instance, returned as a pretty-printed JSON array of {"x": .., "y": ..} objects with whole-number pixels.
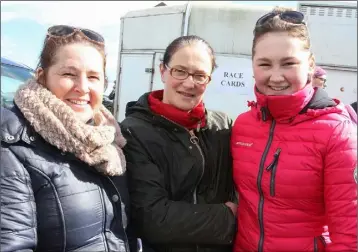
[{"x": 98, "y": 145}]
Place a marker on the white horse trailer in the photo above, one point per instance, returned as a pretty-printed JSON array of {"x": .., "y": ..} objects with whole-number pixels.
[
  {"x": 228, "y": 28},
  {"x": 333, "y": 32}
]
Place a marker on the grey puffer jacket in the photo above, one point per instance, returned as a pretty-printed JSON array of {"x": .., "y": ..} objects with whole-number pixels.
[{"x": 52, "y": 201}]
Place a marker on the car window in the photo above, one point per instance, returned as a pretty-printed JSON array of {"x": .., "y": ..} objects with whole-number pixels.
[
  {"x": 10, "y": 85},
  {"x": 16, "y": 72},
  {"x": 12, "y": 78}
]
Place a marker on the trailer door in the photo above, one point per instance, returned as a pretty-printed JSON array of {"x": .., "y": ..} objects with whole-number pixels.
[{"x": 136, "y": 78}]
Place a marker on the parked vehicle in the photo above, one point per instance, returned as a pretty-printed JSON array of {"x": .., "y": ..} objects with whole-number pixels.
[
  {"x": 13, "y": 75},
  {"x": 108, "y": 96},
  {"x": 228, "y": 28}
]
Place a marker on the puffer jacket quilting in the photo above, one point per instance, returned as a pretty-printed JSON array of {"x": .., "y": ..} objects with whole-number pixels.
[
  {"x": 51, "y": 201},
  {"x": 294, "y": 178}
]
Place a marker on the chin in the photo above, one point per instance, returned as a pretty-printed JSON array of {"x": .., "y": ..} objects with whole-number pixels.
[
  {"x": 84, "y": 116},
  {"x": 269, "y": 92},
  {"x": 278, "y": 93}
]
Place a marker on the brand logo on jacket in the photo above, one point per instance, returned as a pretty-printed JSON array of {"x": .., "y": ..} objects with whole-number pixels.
[{"x": 244, "y": 144}]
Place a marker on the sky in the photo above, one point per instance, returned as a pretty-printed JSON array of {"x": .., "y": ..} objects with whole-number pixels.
[{"x": 24, "y": 24}]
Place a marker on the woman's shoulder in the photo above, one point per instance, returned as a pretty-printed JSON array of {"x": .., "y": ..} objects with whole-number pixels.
[
  {"x": 140, "y": 125},
  {"x": 141, "y": 129},
  {"x": 219, "y": 119},
  {"x": 332, "y": 116}
]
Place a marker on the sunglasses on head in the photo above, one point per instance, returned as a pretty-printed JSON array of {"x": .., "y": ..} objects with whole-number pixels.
[
  {"x": 293, "y": 17},
  {"x": 65, "y": 30}
]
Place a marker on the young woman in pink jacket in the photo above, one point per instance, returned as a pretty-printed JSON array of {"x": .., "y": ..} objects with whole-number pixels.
[{"x": 295, "y": 151}]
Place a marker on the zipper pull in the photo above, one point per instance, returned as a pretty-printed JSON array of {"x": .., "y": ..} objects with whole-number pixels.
[
  {"x": 193, "y": 138},
  {"x": 277, "y": 153},
  {"x": 269, "y": 168},
  {"x": 275, "y": 159}
]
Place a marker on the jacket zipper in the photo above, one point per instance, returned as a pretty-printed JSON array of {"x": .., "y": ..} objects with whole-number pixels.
[
  {"x": 259, "y": 179},
  {"x": 194, "y": 140},
  {"x": 315, "y": 245},
  {"x": 273, "y": 167}
]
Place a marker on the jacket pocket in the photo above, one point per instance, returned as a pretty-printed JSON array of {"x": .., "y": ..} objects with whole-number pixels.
[
  {"x": 319, "y": 244},
  {"x": 272, "y": 167}
]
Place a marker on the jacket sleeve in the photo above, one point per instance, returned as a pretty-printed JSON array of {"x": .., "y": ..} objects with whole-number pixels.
[
  {"x": 18, "y": 213},
  {"x": 340, "y": 188},
  {"x": 160, "y": 220}
]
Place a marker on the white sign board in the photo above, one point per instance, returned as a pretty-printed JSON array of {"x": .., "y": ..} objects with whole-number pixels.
[
  {"x": 231, "y": 87},
  {"x": 233, "y": 79}
]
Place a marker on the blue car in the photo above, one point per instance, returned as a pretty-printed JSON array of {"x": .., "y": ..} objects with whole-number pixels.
[{"x": 13, "y": 75}]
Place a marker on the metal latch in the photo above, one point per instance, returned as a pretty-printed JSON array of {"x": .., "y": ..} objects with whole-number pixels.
[{"x": 149, "y": 70}]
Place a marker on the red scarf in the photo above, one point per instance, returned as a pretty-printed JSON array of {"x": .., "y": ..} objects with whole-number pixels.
[{"x": 189, "y": 119}]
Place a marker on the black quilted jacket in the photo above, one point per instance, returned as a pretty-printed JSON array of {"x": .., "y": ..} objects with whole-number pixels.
[{"x": 51, "y": 201}]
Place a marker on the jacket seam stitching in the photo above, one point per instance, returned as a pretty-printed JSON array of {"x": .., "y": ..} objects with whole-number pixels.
[
  {"x": 57, "y": 201},
  {"x": 331, "y": 135},
  {"x": 16, "y": 231},
  {"x": 104, "y": 218},
  {"x": 27, "y": 180},
  {"x": 12, "y": 203}
]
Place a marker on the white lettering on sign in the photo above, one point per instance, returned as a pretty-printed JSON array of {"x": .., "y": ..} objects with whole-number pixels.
[{"x": 237, "y": 81}]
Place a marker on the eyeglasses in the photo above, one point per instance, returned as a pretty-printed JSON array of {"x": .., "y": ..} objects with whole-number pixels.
[
  {"x": 181, "y": 74},
  {"x": 322, "y": 79},
  {"x": 293, "y": 17},
  {"x": 65, "y": 31}
]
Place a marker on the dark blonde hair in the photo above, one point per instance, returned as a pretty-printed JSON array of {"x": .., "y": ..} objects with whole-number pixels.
[
  {"x": 275, "y": 24},
  {"x": 53, "y": 44}
]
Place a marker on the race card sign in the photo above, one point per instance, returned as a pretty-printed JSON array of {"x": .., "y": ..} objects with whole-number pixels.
[{"x": 236, "y": 80}]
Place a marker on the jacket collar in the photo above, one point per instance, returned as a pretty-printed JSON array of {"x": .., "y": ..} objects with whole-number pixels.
[
  {"x": 283, "y": 108},
  {"x": 304, "y": 105},
  {"x": 141, "y": 109}
]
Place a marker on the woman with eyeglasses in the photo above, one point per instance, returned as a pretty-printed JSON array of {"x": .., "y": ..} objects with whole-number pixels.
[
  {"x": 63, "y": 172},
  {"x": 295, "y": 151},
  {"x": 178, "y": 158},
  {"x": 319, "y": 78}
]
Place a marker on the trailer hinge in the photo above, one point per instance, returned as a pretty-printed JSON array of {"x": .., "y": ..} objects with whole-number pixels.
[{"x": 149, "y": 70}]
